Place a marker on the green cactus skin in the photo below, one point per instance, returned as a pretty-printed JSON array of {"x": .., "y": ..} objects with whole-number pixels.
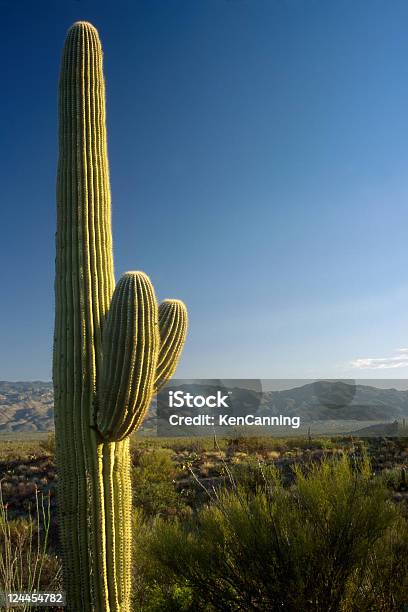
[
  {"x": 112, "y": 347},
  {"x": 173, "y": 322},
  {"x": 130, "y": 349}
]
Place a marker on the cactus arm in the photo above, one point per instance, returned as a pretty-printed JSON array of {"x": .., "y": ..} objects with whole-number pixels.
[
  {"x": 173, "y": 323},
  {"x": 131, "y": 345}
]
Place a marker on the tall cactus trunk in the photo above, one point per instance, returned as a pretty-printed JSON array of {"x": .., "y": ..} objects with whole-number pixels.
[
  {"x": 84, "y": 287},
  {"x": 94, "y": 413}
]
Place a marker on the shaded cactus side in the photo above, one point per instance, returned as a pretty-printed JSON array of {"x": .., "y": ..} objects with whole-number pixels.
[{"x": 113, "y": 347}]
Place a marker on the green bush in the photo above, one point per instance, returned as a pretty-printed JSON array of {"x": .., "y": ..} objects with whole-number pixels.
[
  {"x": 151, "y": 592},
  {"x": 153, "y": 484},
  {"x": 333, "y": 541},
  {"x": 396, "y": 479}
]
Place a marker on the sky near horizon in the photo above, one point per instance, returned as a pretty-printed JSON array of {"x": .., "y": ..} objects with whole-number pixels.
[{"x": 258, "y": 153}]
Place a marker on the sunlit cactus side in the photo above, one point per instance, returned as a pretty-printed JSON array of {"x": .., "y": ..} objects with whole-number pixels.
[
  {"x": 130, "y": 351},
  {"x": 113, "y": 347},
  {"x": 173, "y": 322}
]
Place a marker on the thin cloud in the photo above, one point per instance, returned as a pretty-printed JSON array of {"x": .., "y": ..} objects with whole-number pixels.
[{"x": 383, "y": 363}]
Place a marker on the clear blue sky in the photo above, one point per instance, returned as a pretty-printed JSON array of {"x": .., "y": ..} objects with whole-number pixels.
[{"x": 259, "y": 156}]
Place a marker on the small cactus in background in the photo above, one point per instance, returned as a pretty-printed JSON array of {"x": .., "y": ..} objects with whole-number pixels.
[{"x": 113, "y": 347}]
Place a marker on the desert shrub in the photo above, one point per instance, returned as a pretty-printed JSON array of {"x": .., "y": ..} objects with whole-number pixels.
[
  {"x": 396, "y": 478},
  {"x": 153, "y": 484},
  {"x": 316, "y": 443},
  {"x": 150, "y": 592},
  {"x": 18, "y": 450},
  {"x": 177, "y": 444},
  {"x": 382, "y": 583},
  {"x": 333, "y": 541},
  {"x": 260, "y": 444},
  {"x": 48, "y": 445},
  {"x": 250, "y": 444},
  {"x": 249, "y": 474}
]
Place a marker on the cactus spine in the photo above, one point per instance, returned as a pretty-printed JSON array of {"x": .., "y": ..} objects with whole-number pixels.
[{"x": 113, "y": 347}]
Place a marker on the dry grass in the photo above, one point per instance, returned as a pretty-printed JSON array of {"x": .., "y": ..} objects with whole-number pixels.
[{"x": 26, "y": 564}]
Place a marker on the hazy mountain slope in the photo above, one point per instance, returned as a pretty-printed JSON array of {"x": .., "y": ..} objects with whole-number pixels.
[
  {"x": 327, "y": 400},
  {"x": 28, "y": 406}
]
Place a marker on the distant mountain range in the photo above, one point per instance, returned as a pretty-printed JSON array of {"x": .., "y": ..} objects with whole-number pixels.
[
  {"x": 26, "y": 406},
  {"x": 326, "y": 400},
  {"x": 29, "y": 406}
]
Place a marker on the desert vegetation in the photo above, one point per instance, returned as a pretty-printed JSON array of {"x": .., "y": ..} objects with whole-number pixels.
[{"x": 234, "y": 524}]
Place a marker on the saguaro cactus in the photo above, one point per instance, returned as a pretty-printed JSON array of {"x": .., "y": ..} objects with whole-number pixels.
[{"x": 113, "y": 347}]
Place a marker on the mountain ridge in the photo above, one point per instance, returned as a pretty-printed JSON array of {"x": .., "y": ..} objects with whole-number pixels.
[{"x": 28, "y": 406}]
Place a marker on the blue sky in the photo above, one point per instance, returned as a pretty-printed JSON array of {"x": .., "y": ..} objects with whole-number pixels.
[{"x": 258, "y": 153}]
